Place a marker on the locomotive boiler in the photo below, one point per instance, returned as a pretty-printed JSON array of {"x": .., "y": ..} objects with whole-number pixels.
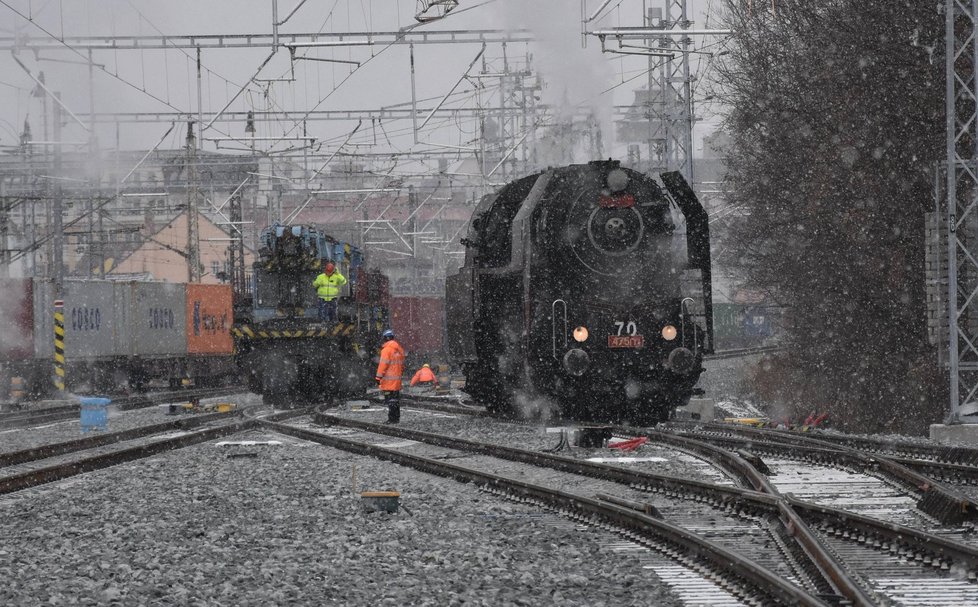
[{"x": 580, "y": 297}]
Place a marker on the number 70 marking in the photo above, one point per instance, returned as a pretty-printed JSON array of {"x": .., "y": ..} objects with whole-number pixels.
[{"x": 630, "y": 328}]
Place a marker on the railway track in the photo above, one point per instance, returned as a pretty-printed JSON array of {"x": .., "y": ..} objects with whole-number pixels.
[
  {"x": 548, "y": 482},
  {"x": 45, "y": 464},
  {"x": 747, "y": 543},
  {"x": 46, "y": 415},
  {"x": 892, "y": 562},
  {"x": 955, "y": 465},
  {"x": 944, "y": 503},
  {"x": 742, "y": 352}
]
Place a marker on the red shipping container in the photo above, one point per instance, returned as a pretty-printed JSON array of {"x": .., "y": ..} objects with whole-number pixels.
[
  {"x": 17, "y": 319},
  {"x": 419, "y": 323},
  {"x": 209, "y": 319}
]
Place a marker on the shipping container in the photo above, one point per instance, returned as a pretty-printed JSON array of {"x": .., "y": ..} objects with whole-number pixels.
[
  {"x": 419, "y": 323},
  {"x": 208, "y": 319},
  {"x": 96, "y": 317},
  {"x": 158, "y": 323},
  {"x": 16, "y": 319}
]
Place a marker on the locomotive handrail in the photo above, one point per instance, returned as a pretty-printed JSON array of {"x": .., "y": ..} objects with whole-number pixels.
[
  {"x": 553, "y": 332},
  {"x": 682, "y": 319}
]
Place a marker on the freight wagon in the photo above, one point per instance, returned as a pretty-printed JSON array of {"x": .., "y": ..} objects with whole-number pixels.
[
  {"x": 117, "y": 335},
  {"x": 419, "y": 323}
]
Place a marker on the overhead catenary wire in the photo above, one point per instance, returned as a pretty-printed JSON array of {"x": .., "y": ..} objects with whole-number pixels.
[{"x": 100, "y": 67}]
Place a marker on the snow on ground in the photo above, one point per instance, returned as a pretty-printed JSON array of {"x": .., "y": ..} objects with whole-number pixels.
[{"x": 737, "y": 408}]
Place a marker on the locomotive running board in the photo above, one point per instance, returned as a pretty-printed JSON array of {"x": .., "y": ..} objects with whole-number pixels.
[{"x": 697, "y": 240}]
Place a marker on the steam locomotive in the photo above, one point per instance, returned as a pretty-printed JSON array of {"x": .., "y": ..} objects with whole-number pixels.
[
  {"x": 285, "y": 353},
  {"x": 576, "y": 297}
]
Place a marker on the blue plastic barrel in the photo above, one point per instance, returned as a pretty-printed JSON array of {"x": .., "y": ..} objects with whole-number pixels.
[{"x": 94, "y": 413}]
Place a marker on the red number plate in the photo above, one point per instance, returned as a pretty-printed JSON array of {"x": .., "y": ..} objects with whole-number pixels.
[{"x": 626, "y": 341}]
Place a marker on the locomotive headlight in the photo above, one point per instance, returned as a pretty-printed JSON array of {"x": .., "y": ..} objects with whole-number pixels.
[
  {"x": 669, "y": 333},
  {"x": 580, "y": 334}
]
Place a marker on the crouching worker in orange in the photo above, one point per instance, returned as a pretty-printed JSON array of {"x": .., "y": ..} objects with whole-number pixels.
[
  {"x": 389, "y": 372},
  {"x": 425, "y": 376}
]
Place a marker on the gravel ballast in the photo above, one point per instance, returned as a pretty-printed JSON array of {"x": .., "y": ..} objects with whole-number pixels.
[{"x": 195, "y": 527}]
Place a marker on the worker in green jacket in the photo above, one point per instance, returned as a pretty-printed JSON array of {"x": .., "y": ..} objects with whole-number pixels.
[{"x": 328, "y": 286}]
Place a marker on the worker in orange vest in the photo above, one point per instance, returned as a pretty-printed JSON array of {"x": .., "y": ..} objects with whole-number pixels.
[
  {"x": 424, "y": 376},
  {"x": 389, "y": 372}
]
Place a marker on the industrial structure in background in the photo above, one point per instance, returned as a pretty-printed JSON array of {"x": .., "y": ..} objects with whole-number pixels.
[
  {"x": 191, "y": 208},
  {"x": 960, "y": 212}
]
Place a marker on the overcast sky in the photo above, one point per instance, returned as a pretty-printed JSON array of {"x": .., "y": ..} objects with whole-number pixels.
[{"x": 165, "y": 81}]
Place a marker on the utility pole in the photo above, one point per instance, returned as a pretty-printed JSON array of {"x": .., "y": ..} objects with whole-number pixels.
[
  {"x": 413, "y": 226},
  {"x": 236, "y": 250},
  {"x": 652, "y": 114},
  {"x": 58, "y": 227},
  {"x": 678, "y": 94},
  {"x": 94, "y": 173},
  {"x": 961, "y": 60},
  {"x": 4, "y": 228},
  {"x": 193, "y": 231}
]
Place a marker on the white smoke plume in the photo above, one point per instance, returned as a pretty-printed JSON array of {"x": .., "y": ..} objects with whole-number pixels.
[{"x": 573, "y": 76}]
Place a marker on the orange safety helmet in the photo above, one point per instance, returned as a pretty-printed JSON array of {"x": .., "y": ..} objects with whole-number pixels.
[{"x": 329, "y": 267}]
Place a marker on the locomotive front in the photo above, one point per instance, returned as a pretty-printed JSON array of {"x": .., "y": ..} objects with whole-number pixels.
[
  {"x": 574, "y": 293},
  {"x": 610, "y": 333},
  {"x": 286, "y": 352}
]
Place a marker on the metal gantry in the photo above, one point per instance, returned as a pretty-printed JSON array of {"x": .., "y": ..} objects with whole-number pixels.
[
  {"x": 962, "y": 205},
  {"x": 266, "y": 40},
  {"x": 666, "y": 39},
  {"x": 505, "y": 98}
]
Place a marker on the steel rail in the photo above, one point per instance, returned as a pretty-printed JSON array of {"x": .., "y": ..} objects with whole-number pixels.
[
  {"x": 832, "y": 571},
  {"x": 935, "y": 498},
  {"x": 637, "y": 525},
  {"x": 33, "y": 454},
  {"x": 735, "y": 465},
  {"x": 941, "y": 453},
  {"x": 741, "y": 352},
  {"x": 30, "y": 417},
  {"x": 722, "y": 497},
  {"x": 942, "y": 551},
  {"x": 947, "y": 472},
  {"x": 49, "y": 474}
]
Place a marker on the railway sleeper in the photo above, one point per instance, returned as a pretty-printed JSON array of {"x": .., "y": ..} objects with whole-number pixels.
[
  {"x": 593, "y": 511},
  {"x": 903, "y": 542},
  {"x": 940, "y": 502}
]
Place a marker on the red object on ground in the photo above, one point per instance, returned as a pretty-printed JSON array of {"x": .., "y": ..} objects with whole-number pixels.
[
  {"x": 419, "y": 323},
  {"x": 631, "y": 444}
]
